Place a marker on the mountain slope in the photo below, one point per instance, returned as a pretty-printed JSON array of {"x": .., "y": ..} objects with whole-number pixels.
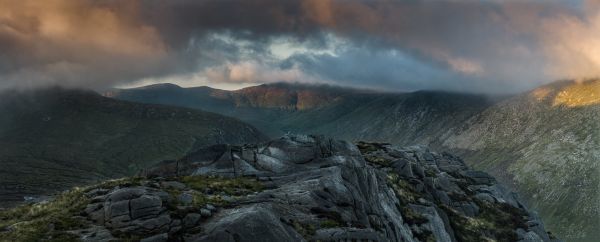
[
  {"x": 545, "y": 143},
  {"x": 296, "y": 188},
  {"x": 55, "y": 139},
  {"x": 407, "y": 119},
  {"x": 280, "y": 108},
  {"x": 542, "y": 143}
]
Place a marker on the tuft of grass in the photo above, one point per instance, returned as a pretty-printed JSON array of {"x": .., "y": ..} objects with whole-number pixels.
[
  {"x": 366, "y": 147},
  {"x": 201, "y": 200},
  {"x": 330, "y": 223},
  {"x": 122, "y": 182},
  {"x": 306, "y": 230},
  {"x": 430, "y": 173},
  {"x": 45, "y": 221},
  {"x": 234, "y": 186},
  {"x": 50, "y": 220},
  {"x": 496, "y": 221},
  {"x": 218, "y": 186},
  {"x": 403, "y": 189}
]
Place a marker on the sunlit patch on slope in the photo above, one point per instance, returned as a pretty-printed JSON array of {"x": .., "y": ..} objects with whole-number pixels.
[
  {"x": 579, "y": 94},
  {"x": 541, "y": 93}
]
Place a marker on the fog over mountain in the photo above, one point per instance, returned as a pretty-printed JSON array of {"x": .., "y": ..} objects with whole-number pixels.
[
  {"x": 474, "y": 46},
  {"x": 300, "y": 120}
]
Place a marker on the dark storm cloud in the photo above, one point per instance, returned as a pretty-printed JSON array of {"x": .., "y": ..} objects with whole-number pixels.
[{"x": 470, "y": 45}]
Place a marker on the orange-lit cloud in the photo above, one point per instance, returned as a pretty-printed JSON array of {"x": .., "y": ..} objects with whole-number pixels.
[
  {"x": 499, "y": 46},
  {"x": 572, "y": 44},
  {"x": 75, "y": 42}
]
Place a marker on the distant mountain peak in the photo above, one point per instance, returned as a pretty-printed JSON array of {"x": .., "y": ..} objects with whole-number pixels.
[{"x": 160, "y": 86}]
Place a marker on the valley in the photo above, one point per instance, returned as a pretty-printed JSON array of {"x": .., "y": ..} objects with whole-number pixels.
[{"x": 542, "y": 143}]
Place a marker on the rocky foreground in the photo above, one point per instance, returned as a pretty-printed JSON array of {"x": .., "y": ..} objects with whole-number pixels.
[{"x": 297, "y": 188}]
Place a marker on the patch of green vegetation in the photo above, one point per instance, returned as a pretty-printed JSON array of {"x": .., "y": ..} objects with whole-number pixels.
[
  {"x": 366, "y": 148},
  {"x": 404, "y": 191},
  {"x": 406, "y": 194},
  {"x": 201, "y": 200},
  {"x": 230, "y": 186},
  {"x": 496, "y": 221},
  {"x": 306, "y": 230},
  {"x": 425, "y": 235},
  {"x": 126, "y": 237},
  {"x": 218, "y": 187},
  {"x": 465, "y": 228},
  {"x": 410, "y": 217},
  {"x": 45, "y": 221},
  {"x": 330, "y": 223},
  {"x": 49, "y": 221},
  {"x": 122, "y": 182},
  {"x": 328, "y": 215},
  {"x": 430, "y": 173}
]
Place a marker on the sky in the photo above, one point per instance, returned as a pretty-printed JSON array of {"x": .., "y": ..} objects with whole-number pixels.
[{"x": 486, "y": 46}]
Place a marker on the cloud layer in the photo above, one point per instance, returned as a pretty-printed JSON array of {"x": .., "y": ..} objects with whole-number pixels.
[{"x": 474, "y": 46}]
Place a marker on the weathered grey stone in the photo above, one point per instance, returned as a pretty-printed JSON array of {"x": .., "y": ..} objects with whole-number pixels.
[
  {"x": 191, "y": 219},
  {"x": 96, "y": 216},
  {"x": 125, "y": 193},
  {"x": 118, "y": 222},
  {"x": 418, "y": 170},
  {"x": 211, "y": 207},
  {"x": 92, "y": 207},
  {"x": 185, "y": 198},
  {"x": 145, "y": 206},
  {"x": 479, "y": 177},
  {"x": 434, "y": 224},
  {"x": 205, "y": 212},
  {"x": 403, "y": 168},
  {"x": 467, "y": 208},
  {"x": 94, "y": 234},
  {"x": 528, "y": 236},
  {"x": 347, "y": 234},
  {"x": 485, "y": 197},
  {"x": 249, "y": 224},
  {"x": 159, "y": 223},
  {"x": 115, "y": 209}
]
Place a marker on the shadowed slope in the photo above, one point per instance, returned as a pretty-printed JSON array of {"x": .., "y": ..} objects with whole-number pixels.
[{"x": 54, "y": 139}]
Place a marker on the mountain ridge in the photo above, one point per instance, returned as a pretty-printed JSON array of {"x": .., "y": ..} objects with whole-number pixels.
[{"x": 507, "y": 136}]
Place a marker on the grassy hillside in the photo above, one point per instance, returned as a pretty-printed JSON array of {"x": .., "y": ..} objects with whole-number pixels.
[
  {"x": 54, "y": 139},
  {"x": 553, "y": 137}
]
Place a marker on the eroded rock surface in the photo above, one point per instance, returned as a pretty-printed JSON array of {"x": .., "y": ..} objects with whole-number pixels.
[{"x": 307, "y": 188}]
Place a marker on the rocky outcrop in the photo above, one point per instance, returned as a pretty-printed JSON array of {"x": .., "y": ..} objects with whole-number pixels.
[{"x": 306, "y": 188}]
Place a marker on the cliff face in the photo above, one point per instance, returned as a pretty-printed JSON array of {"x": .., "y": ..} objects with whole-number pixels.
[{"x": 296, "y": 188}]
